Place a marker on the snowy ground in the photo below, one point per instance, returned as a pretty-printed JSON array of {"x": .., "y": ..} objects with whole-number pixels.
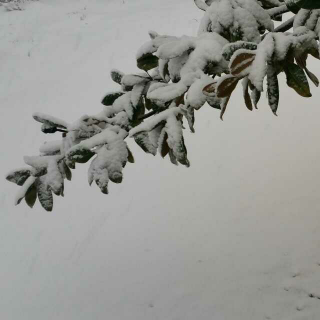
[{"x": 234, "y": 237}]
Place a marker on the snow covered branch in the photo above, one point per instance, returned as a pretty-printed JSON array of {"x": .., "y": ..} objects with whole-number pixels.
[{"x": 237, "y": 42}]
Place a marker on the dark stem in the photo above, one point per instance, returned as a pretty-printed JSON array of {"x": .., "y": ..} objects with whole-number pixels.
[
  {"x": 148, "y": 115},
  {"x": 285, "y": 26}
]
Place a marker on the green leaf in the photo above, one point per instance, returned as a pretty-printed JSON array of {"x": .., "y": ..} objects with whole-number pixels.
[
  {"x": 164, "y": 146},
  {"x": 67, "y": 171},
  {"x": 116, "y": 76},
  {"x": 147, "y": 62},
  {"x": 80, "y": 155},
  {"x": 45, "y": 196},
  {"x": 297, "y": 80},
  {"x": 138, "y": 111},
  {"x": 19, "y": 177},
  {"x": 305, "y": 4},
  {"x": 292, "y": 6},
  {"x": 31, "y": 196},
  {"x": 214, "y": 102},
  {"x": 143, "y": 141},
  {"x": 130, "y": 156},
  {"x": 110, "y": 98}
]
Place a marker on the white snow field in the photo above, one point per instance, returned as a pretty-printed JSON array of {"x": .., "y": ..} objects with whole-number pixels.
[{"x": 234, "y": 237}]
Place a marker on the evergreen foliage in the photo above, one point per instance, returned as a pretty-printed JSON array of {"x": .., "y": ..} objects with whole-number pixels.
[{"x": 236, "y": 42}]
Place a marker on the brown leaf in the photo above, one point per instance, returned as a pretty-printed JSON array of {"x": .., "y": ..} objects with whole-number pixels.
[
  {"x": 224, "y": 104},
  {"x": 226, "y": 86},
  {"x": 210, "y": 89},
  {"x": 241, "y": 62}
]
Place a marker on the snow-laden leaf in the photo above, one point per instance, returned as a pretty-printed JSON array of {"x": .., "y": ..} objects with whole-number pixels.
[
  {"x": 168, "y": 92},
  {"x": 19, "y": 176},
  {"x": 188, "y": 113},
  {"x": 297, "y": 80},
  {"x": 195, "y": 97},
  {"x": 110, "y": 159},
  {"x": 24, "y": 189},
  {"x": 236, "y": 20},
  {"x": 147, "y": 62},
  {"x": 272, "y": 88},
  {"x": 44, "y": 195},
  {"x": 176, "y": 48},
  {"x": 49, "y": 120},
  {"x": 131, "y": 80},
  {"x": 230, "y": 48},
  {"x": 79, "y": 154},
  {"x": 175, "y": 140},
  {"x": 143, "y": 141},
  {"x": 116, "y": 75},
  {"x": 51, "y": 148},
  {"x": 210, "y": 89},
  {"x": 54, "y": 178},
  {"x": 111, "y": 97},
  {"x": 99, "y": 174}
]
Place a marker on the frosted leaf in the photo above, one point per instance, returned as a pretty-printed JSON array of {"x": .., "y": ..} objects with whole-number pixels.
[
  {"x": 236, "y": 19},
  {"x": 195, "y": 97},
  {"x": 163, "y": 69},
  {"x": 51, "y": 147},
  {"x": 154, "y": 121},
  {"x": 175, "y": 65},
  {"x": 175, "y": 49},
  {"x": 23, "y": 190},
  {"x": 153, "y": 45},
  {"x": 257, "y": 12},
  {"x": 175, "y": 140},
  {"x": 99, "y": 175},
  {"x": 168, "y": 92},
  {"x": 18, "y": 176},
  {"x": 116, "y": 75},
  {"x": 49, "y": 120},
  {"x": 259, "y": 65},
  {"x": 133, "y": 79},
  {"x": 44, "y": 194},
  {"x": 54, "y": 178},
  {"x": 124, "y": 104},
  {"x": 136, "y": 94},
  {"x": 143, "y": 139},
  {"x": 230, "y": 48}
]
